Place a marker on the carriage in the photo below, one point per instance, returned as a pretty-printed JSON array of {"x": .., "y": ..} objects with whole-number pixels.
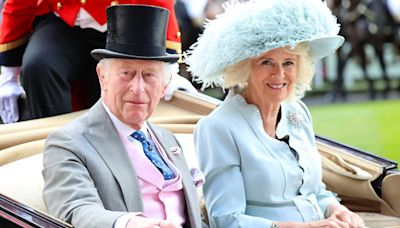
[{"x": 367, "y": 184}]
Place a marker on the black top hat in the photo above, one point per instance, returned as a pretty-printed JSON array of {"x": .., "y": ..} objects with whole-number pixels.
[{"x": 136, "y": 32}]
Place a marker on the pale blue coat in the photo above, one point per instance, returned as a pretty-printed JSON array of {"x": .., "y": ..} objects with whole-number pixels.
[{"x": 253, "y": 179}]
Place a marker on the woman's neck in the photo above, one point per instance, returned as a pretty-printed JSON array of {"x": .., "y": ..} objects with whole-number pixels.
[
  {"x": 269, "y": 111},
  {"x": 269, "y": 115}
]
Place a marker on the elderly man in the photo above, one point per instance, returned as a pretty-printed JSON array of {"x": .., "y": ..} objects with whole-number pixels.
[{"x": 111, "y": 168}]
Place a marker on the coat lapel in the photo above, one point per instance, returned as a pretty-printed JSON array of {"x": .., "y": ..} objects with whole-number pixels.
[
  {"x": 169, "y": 144},
  {"x": 102, "y": 134}
]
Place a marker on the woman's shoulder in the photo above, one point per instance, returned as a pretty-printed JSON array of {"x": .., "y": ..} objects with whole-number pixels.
[
  {"x": 217, "y": 118},
  {"x": 298, "y": 109},
  {"x": 223, "y": 116},
  {"x": 227, "y": 108},
  {"x": 297, "y": 104}
]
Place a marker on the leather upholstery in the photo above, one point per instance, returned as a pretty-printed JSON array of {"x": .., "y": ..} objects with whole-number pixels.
[
  {"x": 391, "y": 191},
  {"x": 21, "y": 151},
  {"x": 21, "y": 162},
  {"x": 22, "y": 180}
]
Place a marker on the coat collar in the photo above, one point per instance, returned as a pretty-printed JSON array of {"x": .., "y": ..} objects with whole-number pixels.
[
  {"x": 169, "y": 143},
  {"x": 293, "y": 124}
]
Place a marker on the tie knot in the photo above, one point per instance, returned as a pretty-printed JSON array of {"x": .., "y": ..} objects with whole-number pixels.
[{"x": 140, "y": 136}]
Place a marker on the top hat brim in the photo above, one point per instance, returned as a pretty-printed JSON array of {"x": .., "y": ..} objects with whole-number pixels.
[
  {"x": 99, "y": 54},
  {"x": 324, "y": 46}
]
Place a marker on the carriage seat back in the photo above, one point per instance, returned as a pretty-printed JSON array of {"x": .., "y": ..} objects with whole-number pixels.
[{"x": 22, "y": 181}]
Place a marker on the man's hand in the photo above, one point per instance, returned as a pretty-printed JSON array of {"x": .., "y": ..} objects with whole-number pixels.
[
  {"x": 10, "y": 90},
  {"x": 178, "y": 83}
]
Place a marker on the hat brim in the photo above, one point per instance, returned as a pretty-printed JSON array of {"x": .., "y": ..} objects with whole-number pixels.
[
  {"x": 324, "y": 46},
  {"x": 99, "y": 54}
]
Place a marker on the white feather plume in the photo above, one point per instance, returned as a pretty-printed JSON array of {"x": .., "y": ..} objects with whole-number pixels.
[{"x": 248, "y": 29}]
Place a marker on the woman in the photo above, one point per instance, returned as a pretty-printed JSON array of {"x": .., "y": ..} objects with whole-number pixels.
[{"x": 257, "y": 149}]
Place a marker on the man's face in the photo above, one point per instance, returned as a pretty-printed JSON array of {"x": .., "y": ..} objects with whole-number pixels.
[{"x": 132, "y": 88}]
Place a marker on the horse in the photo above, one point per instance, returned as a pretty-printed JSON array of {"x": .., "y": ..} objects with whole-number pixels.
[{"x": 364, "y": 22}]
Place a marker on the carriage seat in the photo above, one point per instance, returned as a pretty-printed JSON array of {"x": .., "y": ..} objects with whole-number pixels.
[{"x": 22, "y": 181}]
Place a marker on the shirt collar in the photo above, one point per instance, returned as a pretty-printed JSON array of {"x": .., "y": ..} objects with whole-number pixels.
[
  {"x": 252, "y": 114},
  {"x": 122, "y": 128}
]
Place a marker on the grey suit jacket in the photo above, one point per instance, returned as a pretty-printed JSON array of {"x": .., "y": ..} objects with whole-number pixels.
[{"x": 89, "y": 180}]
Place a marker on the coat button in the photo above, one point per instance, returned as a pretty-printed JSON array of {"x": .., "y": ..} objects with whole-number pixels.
[
  {"x": 113, "y": 3},
  {"x": 59, "y": 5},
  {"x": 178, "y": 34},
  {"x": 83, "y": 2}
]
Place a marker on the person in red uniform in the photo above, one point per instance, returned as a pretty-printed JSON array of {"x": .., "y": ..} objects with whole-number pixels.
[{"x": 61, "y": 34}]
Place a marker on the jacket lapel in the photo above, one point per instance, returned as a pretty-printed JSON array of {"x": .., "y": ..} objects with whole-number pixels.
[
  {"x": 169, "y": 143},
  {"x": 103, "y": 136}
]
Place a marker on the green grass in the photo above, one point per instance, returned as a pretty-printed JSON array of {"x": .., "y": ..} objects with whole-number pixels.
[{"x": 371, "y": 126}]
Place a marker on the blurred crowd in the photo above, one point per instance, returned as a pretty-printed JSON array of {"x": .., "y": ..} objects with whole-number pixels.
[
  {"x": 362, "y": 24},
  {"x": 48, "y": 85},
  {"x": 191, "y": 16}
]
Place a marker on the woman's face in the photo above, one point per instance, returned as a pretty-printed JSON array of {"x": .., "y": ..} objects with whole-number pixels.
[{"x": 272, "y": 77}]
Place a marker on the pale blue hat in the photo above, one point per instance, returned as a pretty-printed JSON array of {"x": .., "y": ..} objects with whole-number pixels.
[{"x": 249, "y": 29}]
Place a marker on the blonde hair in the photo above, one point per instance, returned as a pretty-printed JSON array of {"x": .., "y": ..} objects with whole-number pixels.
[{"x": 237, "y": 75}]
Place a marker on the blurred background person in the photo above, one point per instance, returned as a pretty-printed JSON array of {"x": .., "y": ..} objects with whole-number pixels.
[{"x": 48, "y": 44}]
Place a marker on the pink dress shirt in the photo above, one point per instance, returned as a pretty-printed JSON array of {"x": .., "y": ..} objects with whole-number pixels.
[{"x": 162, "y": 199}]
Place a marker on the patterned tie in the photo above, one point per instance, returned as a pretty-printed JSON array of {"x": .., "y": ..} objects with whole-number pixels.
[{"x": 153, "y": 155}]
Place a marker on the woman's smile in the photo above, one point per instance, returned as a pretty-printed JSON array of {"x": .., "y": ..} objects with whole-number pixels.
[{"x": 276, "y": 85}]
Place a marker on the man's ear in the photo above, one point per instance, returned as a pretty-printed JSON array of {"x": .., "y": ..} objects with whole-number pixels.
[
  {"x": 166, "y": 85},
  {"x": 101, "y": 76}
]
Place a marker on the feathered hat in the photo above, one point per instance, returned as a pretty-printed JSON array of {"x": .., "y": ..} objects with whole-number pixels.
[{"x": 249, "y": 29}]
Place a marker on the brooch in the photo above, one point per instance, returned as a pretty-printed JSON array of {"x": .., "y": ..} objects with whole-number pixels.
[
  {"x": 175, "y": 150},
  {"x": 295, "y": 118}
]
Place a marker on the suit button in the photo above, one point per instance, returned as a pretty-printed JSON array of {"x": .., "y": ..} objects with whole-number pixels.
[
  {"x": 113, "y": 3},
  {"x": 59, "y": 5},
  {"x": 83, "y": 2},
  {"x": 178, "y": 34}
]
